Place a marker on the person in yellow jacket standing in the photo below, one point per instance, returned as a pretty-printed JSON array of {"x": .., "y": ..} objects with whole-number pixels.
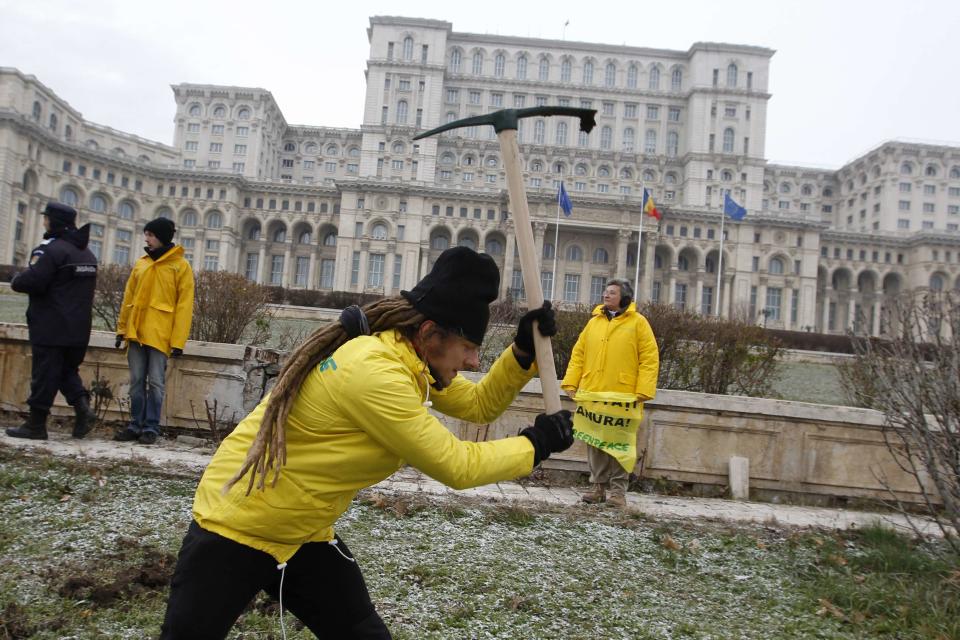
[
  {"x": 349, "y": 408},
  {"x": 155, "y": 318},
  {"x": 612, "y": 371}
]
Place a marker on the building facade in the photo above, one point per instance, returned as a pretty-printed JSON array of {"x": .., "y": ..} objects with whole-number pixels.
[{"x": 369, "y": 209}]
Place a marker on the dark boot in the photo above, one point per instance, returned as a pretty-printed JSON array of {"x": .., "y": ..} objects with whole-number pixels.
[
  {"x": 85, "y": 417},
  {"x": 35, "y": 428}
]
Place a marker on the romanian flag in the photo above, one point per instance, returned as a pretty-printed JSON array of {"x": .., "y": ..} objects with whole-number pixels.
[{"x": 649, "y": 207}]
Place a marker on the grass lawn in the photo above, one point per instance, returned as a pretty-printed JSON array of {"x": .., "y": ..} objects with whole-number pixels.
[{"x": 87, "y": 552}]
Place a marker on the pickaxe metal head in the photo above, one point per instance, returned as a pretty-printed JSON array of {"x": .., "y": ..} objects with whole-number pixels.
[{"x": 509, "y": 118}]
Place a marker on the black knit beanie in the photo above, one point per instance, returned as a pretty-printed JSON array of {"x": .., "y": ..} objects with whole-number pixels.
[
  {"x": 61, "y": 216},
  {"x": 163, "y": 228},
  {"x": 457, "y": 292}
]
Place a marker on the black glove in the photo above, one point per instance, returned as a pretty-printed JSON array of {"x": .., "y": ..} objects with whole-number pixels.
[
  {"x": 547, "y": 319},
  {"x": 119, "y": 341},
  {"x": 176, "y": 353},
  {"x": 550, "y": 433}
]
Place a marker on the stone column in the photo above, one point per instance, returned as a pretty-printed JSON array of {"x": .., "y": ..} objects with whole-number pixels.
[
  {"x": 825, "y": 311},
  {"x": 313, "y": 280},
  {"x": 851, "y": 309},
  {"x": 671, "y": 285},
  {"x": 287, "y": 266},
  {"x": 877, "y": 310},
  {"x": 623, "y": 244},
  {"x": 507, "y": 278},
  {"x": 262, "y": 264},
  {"x": 698, "y": 288}
]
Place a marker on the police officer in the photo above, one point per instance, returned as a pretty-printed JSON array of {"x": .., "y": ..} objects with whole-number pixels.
[{"x": 60, "y": 281}]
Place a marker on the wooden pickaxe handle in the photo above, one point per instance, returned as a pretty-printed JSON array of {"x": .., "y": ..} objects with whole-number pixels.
[{"x": 529, "y": 265}]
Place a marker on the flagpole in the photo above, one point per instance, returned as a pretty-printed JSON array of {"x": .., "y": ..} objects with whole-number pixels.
[
  {"x": 720, "y": 259},
  {"x": 636, "y": 277},
  {"x": 556, "y": 246}
]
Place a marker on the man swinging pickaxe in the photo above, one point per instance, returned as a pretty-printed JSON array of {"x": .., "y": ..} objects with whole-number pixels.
[{"x": 505, "y": 124}]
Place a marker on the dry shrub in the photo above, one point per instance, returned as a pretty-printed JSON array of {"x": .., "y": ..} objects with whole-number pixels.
[
  {"x": 111, "y": 281},
  {"x": 225, "y": 305}
]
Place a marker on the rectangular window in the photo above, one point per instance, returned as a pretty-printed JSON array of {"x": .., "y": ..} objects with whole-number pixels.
[
  {"x": 904, "y": 205},
  {"x": 653, "y": 112},
  {"x": 302, "y": 271},
  {"x": 375, "y": 270},
  {"x": 794, "y": 305},
  {"x": 655, "y": 292},
  {"x": 753, "y": 302},
  {"x": 516, "y": 286},
  {"x": 571, "y": 287},
  {"x": 953, "y": 192},
  {"x": 905, "y": 187},
  {"x": 928, "y": 207},
  {"x": 216, "y": 147},
  {"x": 474, "y": 97},
  {"x": 193, "y": 127},
  {"x": 121, "y": 254},
  {"x": 903, "y": 223},
  {"x": 929, "y": 190},
  {"x": 211, "y": 263},
  {"x": 330, "y": 167},
  {"x": 630, "y": 110},
  {"x": 355, "y": 269},
  {"x": 496, "y": 99},
  {"x": 673, "y": 114},
  {"x": 706, "y": 302},
  {"x": 397, "y": 270},
  {"x": 453, "y": 95},
  {"x": 213, "y": 164},
  {"x": 730, "y": 111},
  {"x": 596, "y": 289},
  {"x": 774, "y": 297},
  {"x": 213, "y": 245},
  {"x": 327, "y": 266},
  {"x": 276, "y": 270},
  {"x": 217, "y": 130},
  {"x": 546, "y": 283},
  {"x": 252, "y": 268},
  {"x": 191, "y": 145},
  {"x": 243, "y": 132},
  {"x": 755, "y": 263},
  {"x": 241, "y": 149},
  {"x": 680, "y": 296},
  {"x": 608, "y": 108}
]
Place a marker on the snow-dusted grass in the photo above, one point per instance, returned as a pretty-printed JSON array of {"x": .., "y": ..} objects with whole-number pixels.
[{"x": 82, "y": 548}]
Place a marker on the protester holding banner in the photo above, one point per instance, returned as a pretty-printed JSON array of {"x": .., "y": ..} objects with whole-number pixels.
[{"x": 612, "y": 372}]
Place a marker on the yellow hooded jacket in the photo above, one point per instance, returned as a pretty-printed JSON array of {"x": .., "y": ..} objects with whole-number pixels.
[
  {"x": 618, "y": 355},
  {"x": 358, "y": 417},
  {"x": 157, "y": 306}
]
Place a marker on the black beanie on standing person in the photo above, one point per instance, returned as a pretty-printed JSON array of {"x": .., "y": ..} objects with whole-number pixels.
[
  {"x": 457, "y": 292},
  {"x": 163, "y": 228}
]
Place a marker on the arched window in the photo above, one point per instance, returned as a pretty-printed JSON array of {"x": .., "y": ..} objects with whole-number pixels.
[
  {"x": 655, "y": 78},
  {"x": 676, "y": 80},
  {"x": 330, "y": 240},
  {"x": 603, "y": 171},
  {"x": 559, "y": 168},
  {"x": 776, "y": 266},
  {"x": 125, "y": 210},
  {"x": 539, "y": 131},
  {"x": 477, "y": 63},
  {"x": 253, "y": 231},
  {"x": 398, "y": 147},
  {"x": 806, "y": 190},
  {"x": 243, "y": 113},
  {"x": 408, "y": 48},
  {"x": 906, "y": 169},
  {"x": 305, "y": 237},
  {"x": 536, "y": 166},
  {"x": 493, "y": 247},
  {"x": 626, "y": 173},
  {"x": 588, "y": 72},
  {"x": 37, "y": 111},
  {"x": 726, "y": 175},
  {"x": 214, "y": 220},
  {"x": 98, "y": 203},
  {"x": 628, "y": 137},
  {"x": 566, "y": 70},
  {"x": 649, "y": 176},
  {"x": 606, "y": 137},
  {"x": 279, "y": 234},
  {"x": 164, "y": 212},
  {"x": 728, "y": 140},
  {"x": 543, "y": 73},
  {"x": 455, "y": 60},
  {"x": 353, "y": 152},
  {"x": 955, "y": 172},
  {"x": 580, "y": 169},
  {"x": 610, "y": 75},
  {"x": 499, "y": 64},
  {"x": 68, "y": 132},
  {"x": 670, "y": 178},
  {"x": 731, "y": 75},
  {"x": 548, "y": 250},
  {"x": 219, "y": 111},
  {"x": 440, "y": 242},
  {"x": 931, "y": 171},
  {"x": 402, "y": 112},
  {"x": 522, "y": 68},
  {"x": 289, "y": 147},
  {"x": 492, "y": 162},
  {"x": 632, "y": 76},
  {"x": 710, "y": 265},
  {"x": 574, "y": 253},
  {"x": 53, "y": 122},
  {"x": 784, "y": 187},
  {"x": 657, "y": 261},
  {"x": 195, "y": 110},
  {"x": 650, "y": 141},
  {"x": 468, "y": 242},
  {"x": 561, "y": 133},
  {"x": 332, "y": 150},
  {"x": 188, "y": 218},
  {"x": 379, "y": 231},
  {"x": 600, "y": 256},
  {"x": 936, "y": 282},
  {"x": 673, "y": 144},
  {"x": 682, "y": 263}
]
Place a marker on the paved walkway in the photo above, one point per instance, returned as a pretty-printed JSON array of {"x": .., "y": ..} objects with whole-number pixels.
[{"x": 189, "y": 456}]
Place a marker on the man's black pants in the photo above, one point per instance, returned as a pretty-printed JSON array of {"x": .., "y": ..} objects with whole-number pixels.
[
  {"x": 216, "y": 578},
  {"x": 55, "y": 369}
]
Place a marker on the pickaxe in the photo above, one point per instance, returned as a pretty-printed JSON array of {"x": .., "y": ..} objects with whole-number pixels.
[{"x": 505, "y": 124}]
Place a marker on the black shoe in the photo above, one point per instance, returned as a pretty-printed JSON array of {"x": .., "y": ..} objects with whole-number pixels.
[
  {"x": 85, "y": 418},
  {"x": 148, "y": 437},
  {"x": 35, "y": 427},
  {"x": 125, "y": 435}
]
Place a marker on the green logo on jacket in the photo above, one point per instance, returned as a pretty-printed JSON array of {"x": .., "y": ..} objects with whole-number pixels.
[{"x": 329, "y": 363}]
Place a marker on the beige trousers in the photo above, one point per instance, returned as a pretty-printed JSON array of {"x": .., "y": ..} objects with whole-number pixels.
[{"x": 605, "y": 470}]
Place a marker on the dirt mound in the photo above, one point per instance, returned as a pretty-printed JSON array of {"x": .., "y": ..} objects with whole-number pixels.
[{"x": 149, "y": 572}]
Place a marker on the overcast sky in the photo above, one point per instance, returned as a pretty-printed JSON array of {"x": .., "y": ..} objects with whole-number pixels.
[{"x": 847, "y": 74}]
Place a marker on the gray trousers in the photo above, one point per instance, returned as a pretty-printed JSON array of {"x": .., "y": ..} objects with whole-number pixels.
[{"x": 605, "y": 470}]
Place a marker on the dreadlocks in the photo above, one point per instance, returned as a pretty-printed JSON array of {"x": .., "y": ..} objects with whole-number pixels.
[{"x": 269, "y": 448}]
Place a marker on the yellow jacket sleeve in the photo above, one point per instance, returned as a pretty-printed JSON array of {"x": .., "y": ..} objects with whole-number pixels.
[
  {"x": 648, "y": 356},
  {"x": 571, "y": 379},
  {"x": 483, "y": 402},
  {"x": 183, "y": 311},
  {"x": 127, "y": 303}
]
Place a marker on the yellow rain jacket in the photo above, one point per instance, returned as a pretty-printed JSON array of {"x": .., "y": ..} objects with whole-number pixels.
[
  {"x": 618, "y": 355},
  {"x": 157, "y": 306},
  {"x": 358, "y": 417}
]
